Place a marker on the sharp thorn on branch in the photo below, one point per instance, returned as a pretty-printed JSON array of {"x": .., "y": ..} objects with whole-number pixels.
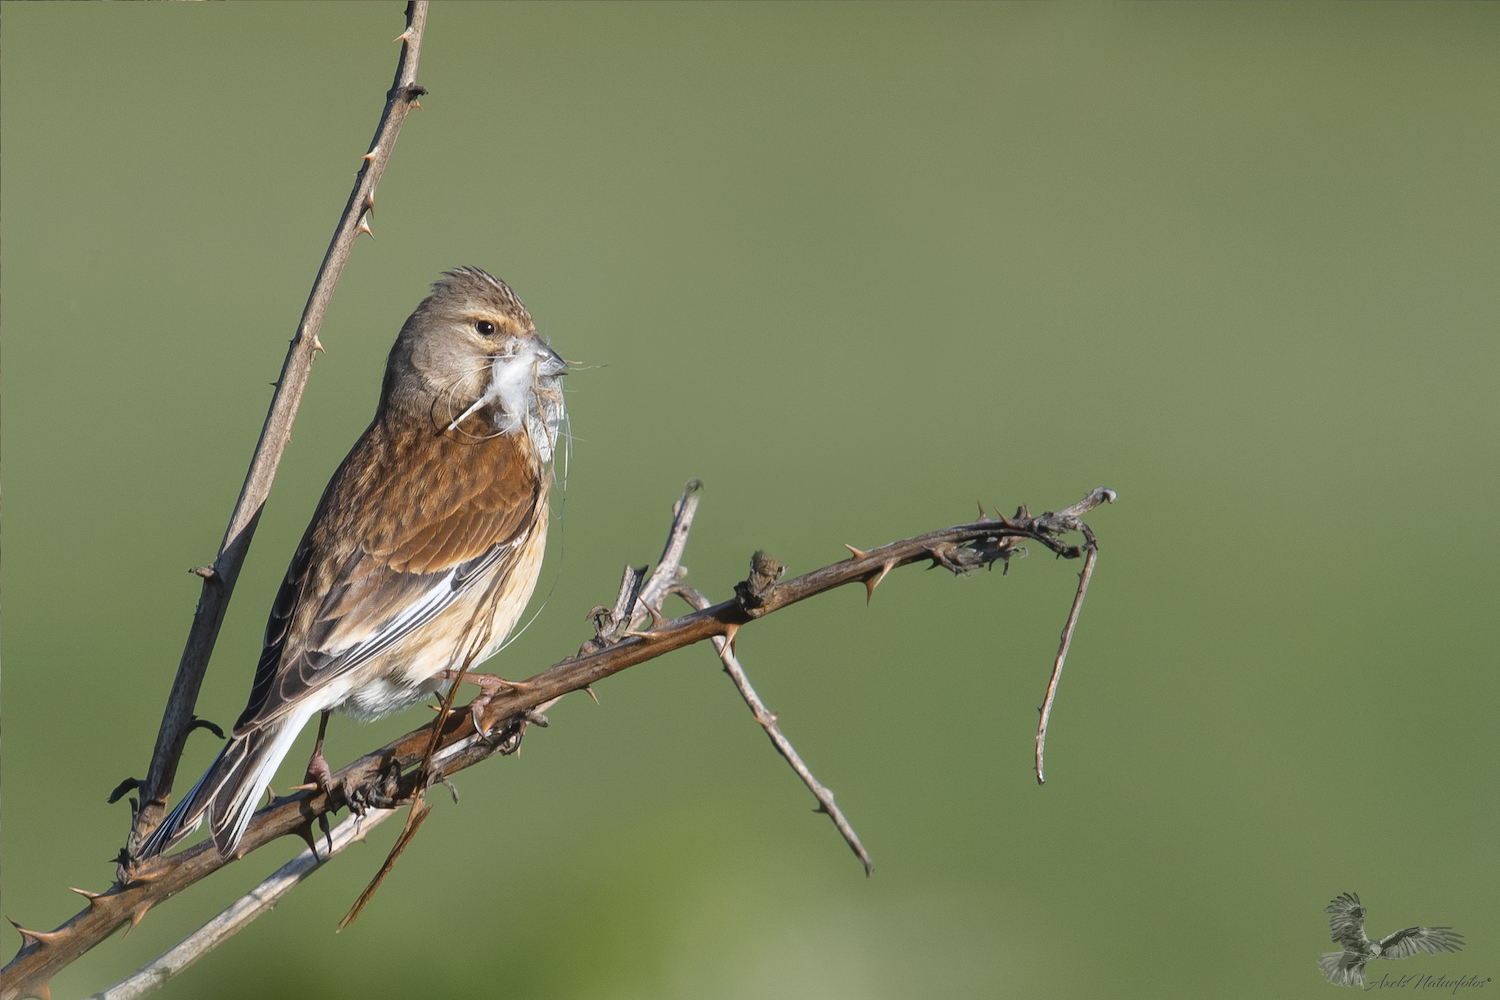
[
  {"x": 364, "y": 227},
  {"x": 128, "y": 785},
  {"x": 858, "y": 553},
  {"x": 305, "y": 831},
  {"x": 30, "y": 937},
  {"x": 137, "y": 878},
  {"x": 656, "y": 616},
  {"x": 198, "y": 723},
  {"x": 137, "y": 915},
  {"x": 589, "y": 689},
  {"x": 207, "y": 572}
]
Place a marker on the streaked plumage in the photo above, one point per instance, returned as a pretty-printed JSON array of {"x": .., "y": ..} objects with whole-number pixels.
[
  {"x": 1347, "y": 927},
  {"x": 425, "y": 546}
]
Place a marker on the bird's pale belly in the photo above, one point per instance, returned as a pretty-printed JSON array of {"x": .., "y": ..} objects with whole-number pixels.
[{"x": 403, "y": 676}]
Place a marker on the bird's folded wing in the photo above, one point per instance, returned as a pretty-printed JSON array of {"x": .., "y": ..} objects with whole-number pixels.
[
  {"x": 1427, "y": 940},
  {"x": 387, "y": 552}
]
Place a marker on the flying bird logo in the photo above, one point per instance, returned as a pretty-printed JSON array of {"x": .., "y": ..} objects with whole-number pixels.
[{"x": 1347, "y": 926}]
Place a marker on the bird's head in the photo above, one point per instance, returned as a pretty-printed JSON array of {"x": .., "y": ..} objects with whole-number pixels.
[{"x": 470, "y": 362}]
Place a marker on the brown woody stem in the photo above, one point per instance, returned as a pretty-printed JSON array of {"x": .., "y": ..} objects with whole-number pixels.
[
  {"x": 218, "y": 584},
  {"x": 41, "y": 956},
  {"x": 961, "y": 549}
]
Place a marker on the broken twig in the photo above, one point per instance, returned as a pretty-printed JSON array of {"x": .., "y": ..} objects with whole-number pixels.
[{"x": 768, "y": 721}]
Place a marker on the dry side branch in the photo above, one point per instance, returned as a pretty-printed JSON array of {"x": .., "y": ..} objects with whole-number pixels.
[
  {"x": 646, "y": 598},
  {"x": 1091, "y": 557},
  {"x": 769, "y": 722},
  {"x": 388, "y": 776}
]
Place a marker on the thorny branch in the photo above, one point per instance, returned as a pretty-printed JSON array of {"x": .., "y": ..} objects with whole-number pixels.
[
  {"x": 387, "y": 777},
  {"x": 154, "y": 974},
  {"x": 178, "y": 721},
  {"x": 219, "y": 579},
  {"x": 1068, "y": 521},
  {"x": 390, "y": 777},
  {"x": 667, "y": 580}
]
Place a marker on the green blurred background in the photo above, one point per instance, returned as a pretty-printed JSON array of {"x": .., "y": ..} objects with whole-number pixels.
[{"x": 856, "y": 267}]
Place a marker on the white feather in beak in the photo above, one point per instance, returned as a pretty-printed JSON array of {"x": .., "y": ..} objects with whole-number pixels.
[{"x": 527, "y": 386}]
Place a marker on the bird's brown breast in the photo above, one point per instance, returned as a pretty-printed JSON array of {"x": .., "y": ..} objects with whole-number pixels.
[
  {"x": 442, "y": 500},
  {"x": 408, "y": 501}
]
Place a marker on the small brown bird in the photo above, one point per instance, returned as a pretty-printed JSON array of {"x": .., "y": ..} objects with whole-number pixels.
[{"x": 422, "y": 553}]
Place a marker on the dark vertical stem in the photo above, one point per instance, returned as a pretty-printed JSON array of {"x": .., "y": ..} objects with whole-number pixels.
[{"x": 218, "y": 584}]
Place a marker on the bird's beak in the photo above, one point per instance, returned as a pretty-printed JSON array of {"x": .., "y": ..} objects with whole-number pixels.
[{"x": 549, "y": 362}]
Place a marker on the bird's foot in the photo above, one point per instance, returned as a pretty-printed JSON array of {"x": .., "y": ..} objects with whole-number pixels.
[
  {"x": 319, "y": 779},
  {"x": 381, "y": 793},
  {"x": 508, "y": 735},
  {"x": 319, "y": 776},
  {"x": 490, "y": 686}
]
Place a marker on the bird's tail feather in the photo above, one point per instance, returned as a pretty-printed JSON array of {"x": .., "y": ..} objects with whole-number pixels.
[
  {"x": 1342, "y": 968},
  {"x": 228, "y": 790}
]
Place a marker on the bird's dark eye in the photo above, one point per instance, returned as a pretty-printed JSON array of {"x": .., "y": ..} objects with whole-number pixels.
[{"x": 485, "y": 327}]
